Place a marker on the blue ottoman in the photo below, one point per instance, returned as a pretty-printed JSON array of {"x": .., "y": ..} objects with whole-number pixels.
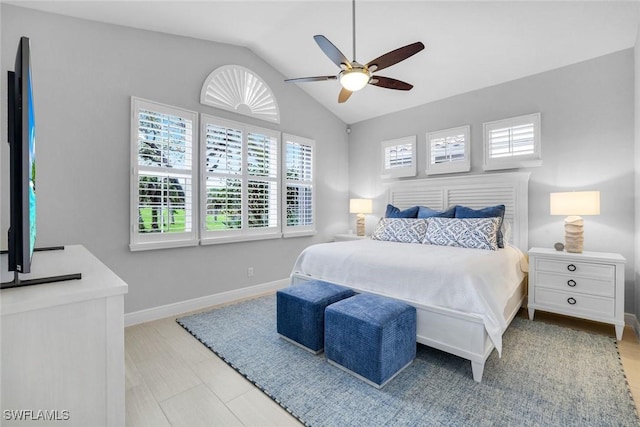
[
  {"x": 370, "y": 336},
  {"x": 300, "y": 311}
]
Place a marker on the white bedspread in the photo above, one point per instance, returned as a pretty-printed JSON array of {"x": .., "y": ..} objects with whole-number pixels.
[{"x": 475, "y": 281}]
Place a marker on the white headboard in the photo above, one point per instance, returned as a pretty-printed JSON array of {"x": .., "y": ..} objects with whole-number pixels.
[{"x": 475, "y": 191}]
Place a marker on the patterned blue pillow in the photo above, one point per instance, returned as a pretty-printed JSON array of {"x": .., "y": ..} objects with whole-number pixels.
[
  {"x": 393, "y": 212},
  {"x": 488, "y": 212},
  {"x": 404, "y": 230},
  {"x": 424, "y": 212},
  {"x": 475, "y": 233}
]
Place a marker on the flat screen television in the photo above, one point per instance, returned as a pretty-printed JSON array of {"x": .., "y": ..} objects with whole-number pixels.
[
  {"x": 22, "y": 173},
  {"x": 22, "y": 169}
]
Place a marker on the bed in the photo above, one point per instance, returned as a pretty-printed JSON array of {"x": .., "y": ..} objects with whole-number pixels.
[{"x": 464, "y": 310}]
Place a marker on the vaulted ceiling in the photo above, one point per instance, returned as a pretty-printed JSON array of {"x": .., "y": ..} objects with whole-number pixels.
[{"x": 469, "y": 44}]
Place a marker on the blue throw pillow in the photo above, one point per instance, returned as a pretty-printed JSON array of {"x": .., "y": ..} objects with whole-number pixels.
[
  {"x": 393, "y": 212},
  {"x": 488, "y": 212},
  {"x": 424, "y": 212}
]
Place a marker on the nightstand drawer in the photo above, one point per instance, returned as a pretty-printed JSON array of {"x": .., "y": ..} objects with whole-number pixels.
[
  {"x": 573, "y": 283},
  {"x": 579, "y": 303},
  {"x": 588, "y": 285},
  {"x": 576, "y": 268}
]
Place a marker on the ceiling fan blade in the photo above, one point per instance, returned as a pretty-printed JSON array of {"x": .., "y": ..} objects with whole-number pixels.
[
  {"x": 332, "y": 52},
  {"x": 395, "y": 56},
  {"x": 311, "y": 79},
  {"x": 344, "y": 95},
  {"x": 389, "y": 83}
]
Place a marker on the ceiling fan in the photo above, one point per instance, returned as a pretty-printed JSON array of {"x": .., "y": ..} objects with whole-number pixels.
[{"x": 355, "y": 76}]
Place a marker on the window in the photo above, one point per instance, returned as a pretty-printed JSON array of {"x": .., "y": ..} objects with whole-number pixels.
[
  {"x": 299, "y": 181},
  {"x": 163, "y": 179},
  {"x": 399, "y": 157},
  {"x": 239, "y": 198},
  {"x": 448, "y": 151},
  {"x": 512, "y": 143},
  {"x": 238, "y": 89}
]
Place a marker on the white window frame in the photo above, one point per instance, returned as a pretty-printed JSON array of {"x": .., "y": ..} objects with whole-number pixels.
[
  {"x": 389, "y": 172},
  {"x": 452, "y": 166},
  {"x": 144, "y": 241},
  {"x": 512, "y": 161},
  {"x": 245, "y": 233},
  {"x": 298, "y": 230}
]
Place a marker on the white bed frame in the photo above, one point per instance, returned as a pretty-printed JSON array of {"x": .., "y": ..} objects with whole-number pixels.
[{"x": 450, "y": 330}]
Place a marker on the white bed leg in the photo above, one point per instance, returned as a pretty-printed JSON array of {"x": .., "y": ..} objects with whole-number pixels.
[
  {"x": 477, "y": 368},
  {"x": 531, "y": 312},
  {"x": 619, "y": 332}
]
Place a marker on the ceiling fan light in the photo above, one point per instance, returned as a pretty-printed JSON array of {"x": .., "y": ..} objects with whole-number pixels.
[{"x": 355, "y": 79}]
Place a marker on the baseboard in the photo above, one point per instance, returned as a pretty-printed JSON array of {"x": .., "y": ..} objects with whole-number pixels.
[
  {"x": 630, "y": 319},
  {"x": 178, "y": 308}
]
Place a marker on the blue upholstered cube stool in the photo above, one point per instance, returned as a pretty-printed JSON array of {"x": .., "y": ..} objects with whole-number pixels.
[
  {"x": 370, "y": 336},
  {"x": 300, "y": 311}
]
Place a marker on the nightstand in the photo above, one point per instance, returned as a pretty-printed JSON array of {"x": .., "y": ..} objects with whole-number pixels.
[
  {"x": 345, "y": 237},
  {"x": 588, "y": 285}
]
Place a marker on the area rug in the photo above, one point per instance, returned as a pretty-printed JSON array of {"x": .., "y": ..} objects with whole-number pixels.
[{"x": 547, "y": 376}]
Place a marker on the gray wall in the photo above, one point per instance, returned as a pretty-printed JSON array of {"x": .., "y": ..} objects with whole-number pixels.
[
  {"x": 587, "y": 144},
  {"x": 83, "y": 75}
]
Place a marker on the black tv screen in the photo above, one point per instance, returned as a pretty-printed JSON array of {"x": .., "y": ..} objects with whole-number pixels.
[{"x": 22, "y": 169}]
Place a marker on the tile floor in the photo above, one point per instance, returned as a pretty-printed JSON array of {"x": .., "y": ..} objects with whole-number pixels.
[{"x": 174, "y": 380}]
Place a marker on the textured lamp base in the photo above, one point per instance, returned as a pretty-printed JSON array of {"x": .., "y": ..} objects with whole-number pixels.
[
  {"x": 573, "y": 234},
  {"x": 360, "y": 224}
]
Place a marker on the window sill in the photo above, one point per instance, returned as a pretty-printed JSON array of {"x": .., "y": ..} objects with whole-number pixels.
[
  {"x": 512, "y": 164},
  {"x": 148, "y": 246},
  {"x": 238, "y": 238},
  {"x": 291, "y": 234}
]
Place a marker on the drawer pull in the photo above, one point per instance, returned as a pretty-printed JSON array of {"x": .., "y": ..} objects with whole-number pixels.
[
  {"x": 571, "y": 267},
  {"x": 571, "y": 283},
  {"x": 571, "y": 300}
]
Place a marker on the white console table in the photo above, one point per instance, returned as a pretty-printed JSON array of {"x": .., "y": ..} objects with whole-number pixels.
[{"x": 62, "y": 344}]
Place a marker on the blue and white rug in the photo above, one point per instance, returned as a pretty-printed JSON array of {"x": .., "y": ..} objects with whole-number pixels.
[{"x": 547, "y": 376}]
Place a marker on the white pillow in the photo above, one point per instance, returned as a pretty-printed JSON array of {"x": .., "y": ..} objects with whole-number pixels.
[
  {"x": 475, "y": 233},
  {"x": 404, "y": 230}
]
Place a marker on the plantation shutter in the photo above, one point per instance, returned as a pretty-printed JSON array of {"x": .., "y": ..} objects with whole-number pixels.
[
  {"x": 448, "y": 150},
  {"x": 163, "y": 178},
  {"x": 512, "y": 142},
  {"x": 262, "y": 190},
  {"x": 223, "y": 185},
  {"x": 299, "y": 197},
  {"x": 399, "y": 157},
  {"x": 240, "y": 199}
]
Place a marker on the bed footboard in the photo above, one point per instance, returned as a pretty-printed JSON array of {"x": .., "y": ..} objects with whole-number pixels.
[{"x": 454, "y": 332}]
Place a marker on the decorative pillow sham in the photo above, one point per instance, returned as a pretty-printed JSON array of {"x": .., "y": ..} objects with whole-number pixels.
[
  {"x": 394, "y": 212},
  {"x": 475, "y": 233},
  {"x": 488, "y": 212},
  {"x": 404, "y": 230},
  {"x": 425, "y": 212}
]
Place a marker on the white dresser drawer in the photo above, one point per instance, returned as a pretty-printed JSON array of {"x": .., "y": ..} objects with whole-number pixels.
[
  {"x": 576, "y": 268},
  {"x": 580, "y": 304},
  {"x": 589, "y": 285},
  {"x": 578, "y": 284}
]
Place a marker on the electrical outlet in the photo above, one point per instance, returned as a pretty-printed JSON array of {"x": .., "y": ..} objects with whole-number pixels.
[{"x": 250, "y": 272}]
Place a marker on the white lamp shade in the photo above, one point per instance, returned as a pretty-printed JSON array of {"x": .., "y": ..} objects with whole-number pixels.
[
  {"x": 355, "y": 79},
  {"x": 575, "y": 203},
  {"x": 360, "y": 206}
]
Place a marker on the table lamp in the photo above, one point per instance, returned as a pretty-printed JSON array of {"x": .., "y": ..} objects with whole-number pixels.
[
  {"x": 574, "y": 204},
  {"x": 360, "y": 207}
]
